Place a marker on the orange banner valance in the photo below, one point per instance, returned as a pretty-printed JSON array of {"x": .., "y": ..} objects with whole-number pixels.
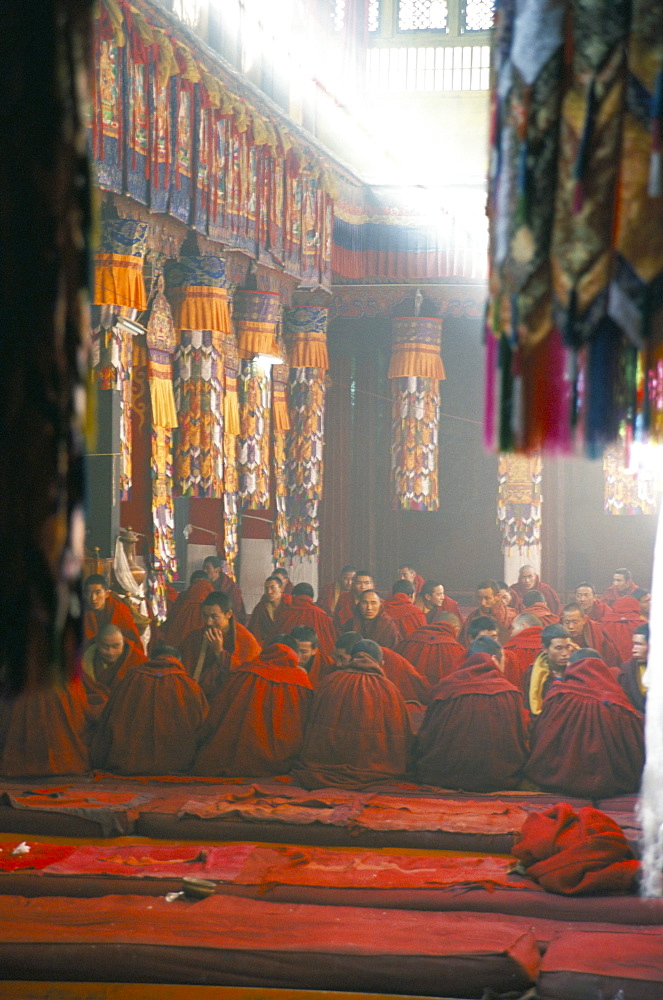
[
  {"x": 305, "y": 330},
  {"x": 256, "y": 316},
  {"x": 416, "y": 348}
]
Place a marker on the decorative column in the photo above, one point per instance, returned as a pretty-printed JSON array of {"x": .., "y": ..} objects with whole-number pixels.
[
  {"x": 231, "y": 427},
  {"x": 415, "y": 370},
  {"x": 519, "y": 512},
  {"x": 306, "y": 336},
  {"x": 280, "y": 428}
]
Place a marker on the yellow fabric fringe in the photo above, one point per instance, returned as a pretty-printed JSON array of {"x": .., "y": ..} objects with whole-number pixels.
[
  {"x": 202, "y": 308},
  {"x": 416, "y": 361},
  {"x": 256, "y": 338},
  {"x": 164, "y": 413},
  {"x": 118, "y": 281},
  {"x": 231, "y": 408},
  {"x": 309, "y": 350},
  {"x": 280, "y": 412}
]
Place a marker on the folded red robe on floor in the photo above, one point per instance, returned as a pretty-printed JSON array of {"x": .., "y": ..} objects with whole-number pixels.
[
  {"x": 576, "y": 852},
  {"x": 433, "y": 651},
  {"x": 256, "y": 722},
  {"x": 588, "y": 739}
]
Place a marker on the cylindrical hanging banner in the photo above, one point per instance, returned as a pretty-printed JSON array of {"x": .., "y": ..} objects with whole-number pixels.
[
  {"x": 254, "y": 435},
  {"x": 256, "y": 316},
  {"x": 416, "y": 348},
  {"x": 305, "y": 331},
  {"x": 118, "y": 264},
  {"x": 280, "y": 427},
  {"x": 414, "y": 448},
  {"x": 197, "y": 290}
]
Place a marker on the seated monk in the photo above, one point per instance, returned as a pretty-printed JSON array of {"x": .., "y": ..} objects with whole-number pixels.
[
  {"x": 400, "y": 607},
  {"x": 262, "y": 623},
  {"x": 534, "y": 603},
  {"x": 482, "y": 625},
  {"x": 347, "y": 602},
  {"x": 303, "y": 610},
  {"x": 620, "y": 622},
  {"x": 103, "y": 608},
  {"x": 548, "y": 667},
  {"x": 186, "y": 614},
  {"x": 256, "y": 723},
  {"x": 213, "y": 568},
  {"x": 489, "y": 603},
  {"x": 434, "y": 650},
  {"x": 632, "y": 674},
  {"x": 285, "y": 579},
  {"x": 643, "y": 597},
  {"x": 408, "y": 680},
  {"x": 528, "y": 579},
  {"x": 152, "y": 720},
  {"x": 588, "y": 739},
  {"x": 585, "y": 632},
  {"x": 435, "y": 600},
  {"x": 410, "y": 574},
  {"x": 372, "y": 622},
  {"x": 623, "y": 585},
  {"x": 506, "y": 597},
  {"x": 46, "y": 731},
  {"x": 521, "y": 650},
  {"x": 358, "y": 730},
  {"x": 210, "y": 651},
  {"x": 311, "y": 658},
  {"x": 474, "y": 735},
  {"x": 589, "y": 603},
  {"x": 109, "y": 657},
  {"x": 331, "y": 592}
]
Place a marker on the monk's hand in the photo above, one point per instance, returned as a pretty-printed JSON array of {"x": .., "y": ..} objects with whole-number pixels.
[{"x": 214, "y": 637}]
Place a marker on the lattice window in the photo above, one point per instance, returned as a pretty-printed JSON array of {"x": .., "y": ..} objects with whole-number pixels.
[
  {"x": 373, "y": 15},
  {"x": 422, "y": 15},
  {"x": 338, "y": 15},
  {"x": 477, "y": 15},
  {"x": 428, "y": 68}
]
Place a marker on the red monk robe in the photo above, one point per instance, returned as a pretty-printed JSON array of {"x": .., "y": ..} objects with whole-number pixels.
[
  {"x": 256, "y": 723},
  {"x": 448, "y": 604},
  {"x": 405, "y": 677},
  {"x": 106, "y": 674},
  {"x": 358, "y": 730},
  {"x": 210, "y": 669},
  {"x": 227, "y": 585},
  {"x": 329, "y": 596},
  {"x": 381, "y": 629},
  {"x": 433, "y": 651},
  {"x": 620, "y": 622},
  {"x": 612, "y": 594},
  {"x": 152, "y": 721},
  {"x": 114, "y": 612},
  {"x": 543, "y": 613},
  {"x": 319, "y": 667},
  {"x": 474, "y": 736},
  {"x": 407, "y": 615},
  {"x": 598, "y": 611},
  {"x": 499, "y": 612},
  {"x": 588, "y": 740},
  {"x": 550, "y": 596},
  {"x": 186, "y": 614},
  {"x": 595, "y": 637},
  {"x": 520, "y": 652},
  {"x": 302, "y": 610},
  {"x": 344, "y": 611},
  {"x": 46, "y": 732},
  {"x": 263, "y": 620}
]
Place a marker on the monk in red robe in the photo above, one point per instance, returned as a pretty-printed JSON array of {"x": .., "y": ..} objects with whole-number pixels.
[
  {"x": 256, "y": 723},
  {"x": 103, "y": 608},
  {"x": 410, "y": 574},
  {"x": 528, "y": 579},
  {"x": 152, "y": 720},
  {"x": 434, "y": 650},
  {"x": 489, "y": 603},
  {"x": 632, "y": 674},
  {"x": 434, "y": 599},
  {"x": 589, "y": 603},
  {"x": 584, "y": 632},
  {"x": 522, "y": 649},
  {"x": 534, "y": 603},
  {"x": 46, "y": 731},
  {"x": 311, "y": 657},
  {"x": 474, "y": 735},
  {"x": 213, "y": 567},
  {"x": 262, "y": 623},
  {"x": 110, "y": 657},
  {"x": 643, "y": 597},
  {"x": 303, "y": 610},
  {"x": 372, "y": 622},
  {"x": 588, "y": 740},
  {"x": 288, "y": 585},
  {"x": 401, "y": 608},
  {"x": 210, "y": 651},
  {"x": 358, "y": 729},
  {"x": 548, "y": 667},
  {"x": 331, "y": 592},
  {"x": 186, "y": 614},
  {"x": 408, "y": 680},
  {"x": 348, "y": 600},
  {"x": 620, "y": 622},
  {"x": 623, "y": 585}
]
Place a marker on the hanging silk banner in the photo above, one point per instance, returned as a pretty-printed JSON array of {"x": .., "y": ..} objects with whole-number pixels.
[
  {"x": 256, "y": 316},
  {"x": 202, "y": 317},
  {"x": 231, "y": 475},
  {"x": 519, "y": 503},
  {"x": 305, "y": 331},
  {"x": 108, "y": 104},
  {"x": 625, "y": 491},
  {"x": 254, "y": 436},
  {"x": 118, "y": 264},
  {"x": 280, "y": 428},
  {"x": 415, "y": 370},
  {"x": 124, "y": 372}
]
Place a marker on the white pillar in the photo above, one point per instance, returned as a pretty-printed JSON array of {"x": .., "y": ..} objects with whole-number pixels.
[{"x": 530, "y": 555}]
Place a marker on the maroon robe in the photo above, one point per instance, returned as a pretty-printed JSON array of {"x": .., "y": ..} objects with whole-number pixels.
[
  {"x": 114, "y": 612},
  {"x": 344, "y": 611},
  {"x": 595, "y": 637},
  {"x": 228, "y": 586},
  {"x": 405, "y": 677},
  {"x": 588, "y": 740},
  {"x": 319, "y": 667},
  {"x": 329, "y": 596},
  {"x": 409, "y": 617},
  {"x": 186, "y": 614},
  {"x": 550, "y": 596},
  {"x": 598, "y": 610},
  {"x": 358, "y": 731},
  {"x": 433, "y": 651},
  {"x": 239, "y": 646},
  {"x": 448, "y": 604},
  {"x": 620, "y": 622},
  {"x": 629, "y": 681},
  {"x": 381, "y": 629},
  {"x": 502, "y": 615},
  {"x": 256, "y": 723},
  {"x": 104, "y": 674},
  {"x": 612, "y": 594},
  {"x": 520, "y": 652},
  {"x": 474, "y": 736},
  {"x": 543, "y": 613},
  {"x": 261, "y": 624},
  {"x": 302, "y": 610}
]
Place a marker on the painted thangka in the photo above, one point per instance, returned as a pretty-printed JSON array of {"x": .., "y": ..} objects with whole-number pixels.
[
  {"x": 627, "y": 491},
  {"x": 519, "y": 503},
  {"x": 305, "y": 331},
  {"x": 415, "y": 371},
  {"x": 576, "y": 218}
]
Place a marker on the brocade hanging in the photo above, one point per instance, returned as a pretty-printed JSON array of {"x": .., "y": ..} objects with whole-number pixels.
[
  {"x": 256, "y": 316},
  {"x": 305, "y": 459},
  {"x": 626, "y": 492},
  {"x": 118, "y": 270},
  {"x": 124, "y": 370},
  {"x": 254, "y": 436},
  {"x": 280, "y": 428},
  {"x": 231, "y": 476},
  {"x": 519, "y": 502}
]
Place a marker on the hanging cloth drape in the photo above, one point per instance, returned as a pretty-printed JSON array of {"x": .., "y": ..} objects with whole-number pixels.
[
  {"x": 519, "y": 506},
  {"x": 118, "y": 264},
  {"x": 280, "y": 428},
  {"x": 415, "y": 370},
  {"x": 231, "y": 476},
  {"x": 254, "y": 435},
  {"x": 256, "y": 316}
]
